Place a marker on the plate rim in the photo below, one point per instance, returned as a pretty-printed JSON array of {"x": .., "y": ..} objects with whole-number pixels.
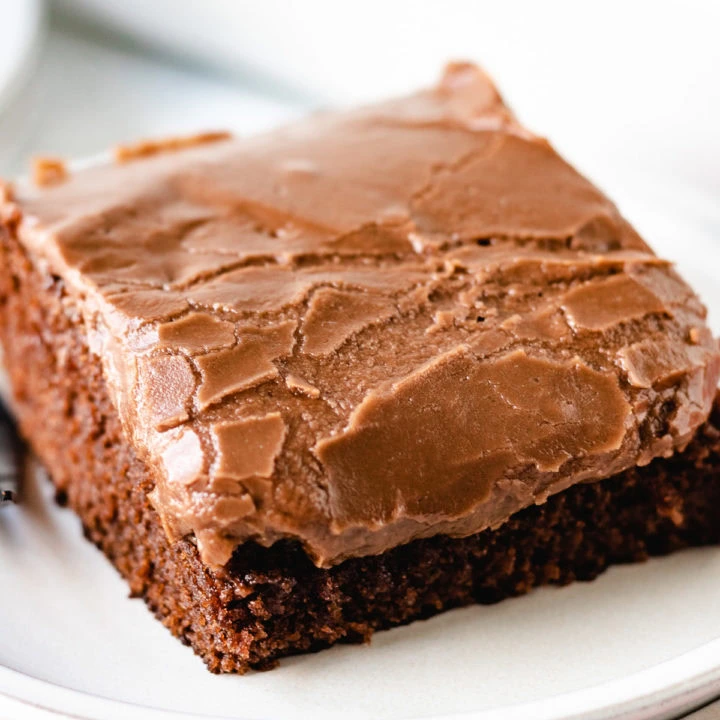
[{"x": 660, "y": 692}]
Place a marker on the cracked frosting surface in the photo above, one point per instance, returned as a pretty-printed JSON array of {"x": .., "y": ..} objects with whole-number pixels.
[{"x": 373, "y": 326}]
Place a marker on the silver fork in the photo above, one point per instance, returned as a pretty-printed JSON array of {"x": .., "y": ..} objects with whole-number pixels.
[{"x": 10, "y": 458}]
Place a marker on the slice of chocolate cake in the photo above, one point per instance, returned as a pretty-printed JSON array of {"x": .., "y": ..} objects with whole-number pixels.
[{"x": 355, "y": 372}]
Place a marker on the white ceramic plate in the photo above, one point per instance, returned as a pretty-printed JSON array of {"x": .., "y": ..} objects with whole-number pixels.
[
  {"x": 22, "y": 27},
  {"x": 640, "y": 642}
]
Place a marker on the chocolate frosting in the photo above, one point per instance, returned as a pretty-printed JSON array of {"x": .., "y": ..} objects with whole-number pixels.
[{"x": 372, "y": 326}]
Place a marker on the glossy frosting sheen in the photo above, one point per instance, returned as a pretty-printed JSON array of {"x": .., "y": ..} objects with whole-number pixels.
[{"x": 374, "y": 326}]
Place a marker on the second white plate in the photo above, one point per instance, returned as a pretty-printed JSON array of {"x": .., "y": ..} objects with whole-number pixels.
[{"x": 22, "y": 28}]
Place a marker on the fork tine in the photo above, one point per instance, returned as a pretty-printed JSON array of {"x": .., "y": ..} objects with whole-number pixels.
[{"x": 10, "y": 458}]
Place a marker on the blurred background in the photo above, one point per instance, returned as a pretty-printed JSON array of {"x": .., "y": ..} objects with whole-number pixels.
[{"x": 624, "y": 88}]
